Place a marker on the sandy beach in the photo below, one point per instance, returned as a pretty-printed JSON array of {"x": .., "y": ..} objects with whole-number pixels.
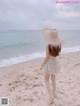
[{"x": 24, "y": 83}]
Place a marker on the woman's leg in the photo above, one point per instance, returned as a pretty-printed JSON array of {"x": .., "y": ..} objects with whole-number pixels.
[
  {"x": 48, "y": 86},
  {"x": 53, "y": 83}
]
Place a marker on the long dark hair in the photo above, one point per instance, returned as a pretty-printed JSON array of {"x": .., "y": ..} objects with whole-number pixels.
[{"x": 54, "y": 50}]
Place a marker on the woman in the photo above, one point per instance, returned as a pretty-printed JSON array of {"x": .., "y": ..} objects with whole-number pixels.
[{"x": 50, "y": 64}]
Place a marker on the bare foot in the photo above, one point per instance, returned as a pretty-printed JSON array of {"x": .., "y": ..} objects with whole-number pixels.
[
  {"x": 50, "y": 101},
  {"x": 54, "y": 94}
]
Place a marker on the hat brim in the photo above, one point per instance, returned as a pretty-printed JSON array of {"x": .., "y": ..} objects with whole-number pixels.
[{"x": 49, "y": 39}]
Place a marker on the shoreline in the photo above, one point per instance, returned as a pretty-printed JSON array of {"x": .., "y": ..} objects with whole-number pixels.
[
  {"x": 33, "y": 59},
  {"x": 39, "y": 58}
]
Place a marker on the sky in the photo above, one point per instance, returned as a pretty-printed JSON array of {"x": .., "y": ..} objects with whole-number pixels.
[{"x": 37, "y": 14}]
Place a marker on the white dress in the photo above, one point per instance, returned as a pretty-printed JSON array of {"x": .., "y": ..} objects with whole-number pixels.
[{"x": 52, "y": 66}]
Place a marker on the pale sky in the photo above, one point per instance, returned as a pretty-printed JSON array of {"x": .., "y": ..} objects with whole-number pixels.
[{"x": 37, "y": 14}]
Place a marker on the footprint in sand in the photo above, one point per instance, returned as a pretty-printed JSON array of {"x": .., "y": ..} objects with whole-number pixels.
[
  {"x": 60, "y": 92},
  {"x": 35, "y": 85},
  {"x": 28, "y": 99},
  {"x": 78, "y": 105},
  {"x": 60, "y": 105},
  {"x": 35, "y": 92},
  {"x": 36, "y": 78},
  {"x": 17, "y": 82},
  {"x": 23, "y": 68},
  {"x": 24, "y": 79},
  {"x": 14, "y": 85},
  {"x": 41, "y": 84},
  {"x": 79, "y": 92},
  {"x": 12, "y": 89},
  {"x": 60, "y": 81},
  {"x": 74, "y": 75},
  {"x": 0, "y": 84},
  {"x": 31, "y": 67},
  {"x": 19, "y": 90},
  {"x": 70, "y": 79},
  {"x": 22, "y": 75},
  {"x": 42, "y": 93},
  {"x": 78, "y": 64},
  {"x": 18, "y": 98},
  {"x": 10, "y": 84}
]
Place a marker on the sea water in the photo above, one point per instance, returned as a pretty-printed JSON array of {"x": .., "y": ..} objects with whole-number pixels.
[{"x": 25, "y": 45}]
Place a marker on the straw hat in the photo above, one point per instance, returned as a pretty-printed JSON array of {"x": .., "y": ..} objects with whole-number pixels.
[{"x": 51, "y": 36}]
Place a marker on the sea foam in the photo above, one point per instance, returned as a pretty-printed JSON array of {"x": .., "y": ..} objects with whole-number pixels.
[{"x": 22, "y": 58}]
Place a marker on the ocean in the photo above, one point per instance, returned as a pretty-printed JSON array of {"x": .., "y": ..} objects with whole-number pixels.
[{"x": 21, "y": 46}]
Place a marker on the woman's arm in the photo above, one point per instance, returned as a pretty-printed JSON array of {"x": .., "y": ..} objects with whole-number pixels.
[{"x": 46, "y": 58}]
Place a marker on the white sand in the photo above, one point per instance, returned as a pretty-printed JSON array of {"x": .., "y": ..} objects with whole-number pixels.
[{"x": 24, "y": 83}]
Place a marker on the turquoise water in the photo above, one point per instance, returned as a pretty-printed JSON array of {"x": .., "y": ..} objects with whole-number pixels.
[
  {"x": 19, "y": 46},
  {"x": 15, "y": 43}
]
